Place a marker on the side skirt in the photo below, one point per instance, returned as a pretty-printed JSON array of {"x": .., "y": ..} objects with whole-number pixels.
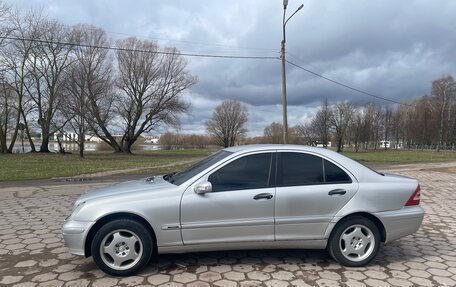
[{"x": 301, "y": 244}]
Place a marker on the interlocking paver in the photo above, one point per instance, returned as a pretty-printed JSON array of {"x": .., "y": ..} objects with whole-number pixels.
[{"x": 32, "y": 251}]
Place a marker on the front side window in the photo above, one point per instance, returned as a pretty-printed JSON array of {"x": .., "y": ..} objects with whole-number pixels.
[{"x": 248, "y": 172}]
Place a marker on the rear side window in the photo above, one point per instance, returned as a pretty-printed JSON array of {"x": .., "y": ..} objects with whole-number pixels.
[
  {"x": 334, "y": 174},
  {"x": 248, "y": 172},
  {"x": 300, "y": 169},
  {"x": 306, "y": 169}
]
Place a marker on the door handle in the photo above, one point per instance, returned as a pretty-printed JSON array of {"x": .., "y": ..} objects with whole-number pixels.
[
  {"x": 338, "y": 191},
  {"x": 263, "y": 196}
]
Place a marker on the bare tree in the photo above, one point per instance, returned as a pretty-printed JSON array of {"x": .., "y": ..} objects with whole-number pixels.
[
  {"x": 377, "y": 124},
  {"x": 88, "y": 82},
  {"x": 343, "y": 113},
  {"x": 443, "y": 93},
  {"x": 5, "y": 21},
  {"x": 8, "y": 113},
  {"x": 321, "y": 123},
  {"x": 398, "y": 121},
  {"x": 420, "y": 125},
  {"x": 356, "y": 129},
  {"x": 17, "y": 57},
  {"x": 49, "y": 60},
  {"x": 76, "y": 105},
  {"x": 368, "y": 119},
  {"x": 387, "y": 114},
  {"x": 273, "y": 133},
  {"x": 8, "y": 108},
  {"x": 151, "y": 86},
  {"x": 306, "y": 134},
  {"x": 227, "y": 123},
  {"x": 170, "y": 141}
]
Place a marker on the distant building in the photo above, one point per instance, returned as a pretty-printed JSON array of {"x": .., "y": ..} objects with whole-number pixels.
[
  {"x": 385, "y": 144},
  {"x": 150, "y": 139},
  {"x": 319, "y": 144},
  {"x": 66, "y": 136},
  {"x": 391, "y": 144},
  {"x": 72, "y": 137}
]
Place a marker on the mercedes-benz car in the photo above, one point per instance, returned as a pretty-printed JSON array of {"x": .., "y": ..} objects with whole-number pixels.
[{"x": 246, "y": 197}]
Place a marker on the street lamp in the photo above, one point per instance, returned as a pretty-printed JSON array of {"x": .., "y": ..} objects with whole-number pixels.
[{"x": 284, "y": 78}]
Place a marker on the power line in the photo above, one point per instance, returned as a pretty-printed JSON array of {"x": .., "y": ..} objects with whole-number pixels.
[
  {"x": 345, "y": 85},
  {"x": 193, "y": 42},
  {"x": 140, "y": 51},
  {"x": 202, "y": 56},
  {"x": 179, "y": 41}
]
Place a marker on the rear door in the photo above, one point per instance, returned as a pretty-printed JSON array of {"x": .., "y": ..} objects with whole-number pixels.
[{"x": 310, "y": 191}]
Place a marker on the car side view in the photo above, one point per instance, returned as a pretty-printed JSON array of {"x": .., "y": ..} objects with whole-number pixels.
[{"x": 247, "y": 197}]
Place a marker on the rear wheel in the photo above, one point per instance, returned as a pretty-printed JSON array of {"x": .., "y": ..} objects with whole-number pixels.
[
  {"x": 355, "y": 241},
  {"x": 122, "y": 247}
]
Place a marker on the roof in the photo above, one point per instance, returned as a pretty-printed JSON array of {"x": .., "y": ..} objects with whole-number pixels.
[{"x": 259, "y": 147}]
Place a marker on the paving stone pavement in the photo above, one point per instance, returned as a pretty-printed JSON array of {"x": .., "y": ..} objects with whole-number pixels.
[{"x": 32, "y": 251}]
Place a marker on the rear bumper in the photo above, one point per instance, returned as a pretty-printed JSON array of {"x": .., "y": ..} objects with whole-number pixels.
[
  {"x": 74, "y": 233},
  {"x": 402, "y": 222}
]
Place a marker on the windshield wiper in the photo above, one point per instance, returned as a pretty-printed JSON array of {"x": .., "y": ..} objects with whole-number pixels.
[{"x": 169, "y": 177}]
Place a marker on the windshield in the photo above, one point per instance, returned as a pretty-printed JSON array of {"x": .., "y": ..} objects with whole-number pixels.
[{"x": 186, "y": 174}]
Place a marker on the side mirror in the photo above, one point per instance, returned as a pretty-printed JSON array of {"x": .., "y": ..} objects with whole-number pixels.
[{"x": 203, "y": 187}]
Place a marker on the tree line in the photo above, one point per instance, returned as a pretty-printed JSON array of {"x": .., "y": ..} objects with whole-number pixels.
[
  {"x": 429, "y": 120},
  {"x": 54, "y": 78}
]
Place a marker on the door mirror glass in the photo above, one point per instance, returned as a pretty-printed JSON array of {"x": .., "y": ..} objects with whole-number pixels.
[{"x": 203, "y": 187}]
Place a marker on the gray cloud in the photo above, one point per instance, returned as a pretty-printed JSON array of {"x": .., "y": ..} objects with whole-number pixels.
[{"x": 390, "y": 48}]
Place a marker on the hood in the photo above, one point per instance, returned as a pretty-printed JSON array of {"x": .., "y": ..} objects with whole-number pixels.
[{"x": 149, "y": 184}]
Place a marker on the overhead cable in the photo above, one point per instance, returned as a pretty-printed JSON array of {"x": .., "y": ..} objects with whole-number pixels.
[
  {"x": 201, "y": 55},
  {"x": 345, "y": 85}
]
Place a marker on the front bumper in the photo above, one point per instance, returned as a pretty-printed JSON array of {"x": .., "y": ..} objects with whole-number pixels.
[
  {"x": 75, "y": 233},
  {"x": 402, "y": 222}
]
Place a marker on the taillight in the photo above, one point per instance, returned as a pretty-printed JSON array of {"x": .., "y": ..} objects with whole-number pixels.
[{"x": 415, "y": 198}]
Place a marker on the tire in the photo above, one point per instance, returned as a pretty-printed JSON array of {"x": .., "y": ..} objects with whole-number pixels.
[
  {"x": 122, "y": 247},
  {"x": 354, "y": 242}
]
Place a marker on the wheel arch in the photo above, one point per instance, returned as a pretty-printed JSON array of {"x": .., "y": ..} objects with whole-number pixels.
[
  {"x": 370, "y": 216},
  {"x": 113, "y": 216}
]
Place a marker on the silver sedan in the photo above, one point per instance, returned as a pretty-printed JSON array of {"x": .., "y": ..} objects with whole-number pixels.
[{"x": 247, "y": 197}]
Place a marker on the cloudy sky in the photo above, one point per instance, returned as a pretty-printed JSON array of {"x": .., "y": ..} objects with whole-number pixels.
[{"x": 392, "y": 48}]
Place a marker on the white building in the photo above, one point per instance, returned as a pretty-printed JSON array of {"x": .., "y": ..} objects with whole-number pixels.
[
  {"x": 385, "y": 144},
  {"x": 150, "y": 139},
  {"x": 72, "y": 137}
]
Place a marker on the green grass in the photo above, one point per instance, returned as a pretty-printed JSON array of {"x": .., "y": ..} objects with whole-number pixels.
[
  {"x": 37, "y": 166},
  {"x": 394, "y": 157}
]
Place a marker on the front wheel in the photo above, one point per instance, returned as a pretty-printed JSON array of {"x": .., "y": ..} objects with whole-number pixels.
[
  {"x": 122, "y": 247},
  {"x": 355, "y": 242}
]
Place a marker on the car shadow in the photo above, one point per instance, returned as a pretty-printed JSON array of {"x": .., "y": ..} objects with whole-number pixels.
[{"x": 395, "y": 252}]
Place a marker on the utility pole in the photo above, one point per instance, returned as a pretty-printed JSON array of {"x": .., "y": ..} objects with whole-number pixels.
[{"x": 284, "y": 76}]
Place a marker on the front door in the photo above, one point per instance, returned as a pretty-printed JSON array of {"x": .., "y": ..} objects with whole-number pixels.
[{"x": 240, "y": 207}]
